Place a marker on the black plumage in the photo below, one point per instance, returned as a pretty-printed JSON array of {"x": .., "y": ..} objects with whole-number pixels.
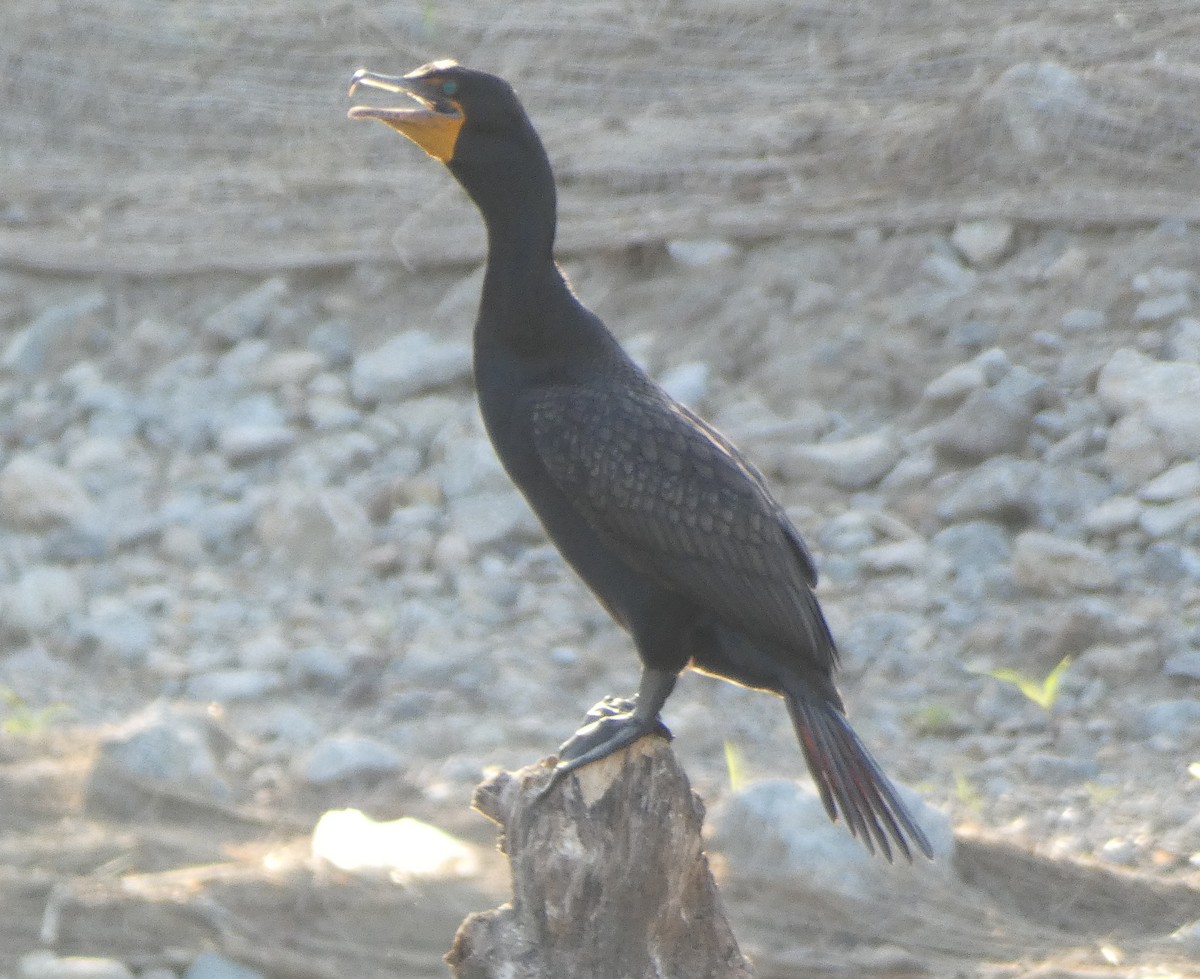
[{"x": 670, "y": 526}]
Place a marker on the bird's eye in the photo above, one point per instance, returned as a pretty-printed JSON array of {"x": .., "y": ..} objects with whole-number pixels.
[{"x": 449, "y": 87}]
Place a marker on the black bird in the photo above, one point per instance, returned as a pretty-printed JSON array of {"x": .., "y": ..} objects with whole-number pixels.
[{"x": 664, "y": 519}]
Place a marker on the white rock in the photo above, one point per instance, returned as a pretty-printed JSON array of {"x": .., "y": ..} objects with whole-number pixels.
[
  {"x": 288, "y": 368},
  {"x": 1080, "y": 320},
  {"x": 1115, "y": 514},
  {"x": 246, "y": 443},
  {"x": 983, "y": 243},
  {"x": 43, "y": 597},
  {"x": 1133, "y": 451},
  {"x": 701, "y": 253},
  {"x": 36, "y": 494},
  {"x": 1049, "y": 565},
  {"x": 409, "y": 364},
  {"x": 956, "y": 383},
  {"x": 905, "y": 555},
  {"x": 1169, "y": 519},
  {"x": 47, "y": 965},
  {"x": 852, "y": 464},
  {"x": 949, "y": 271},
  {"x": 1164, "y": 393},
  {"x": 1161, "y": 307},
  {"x": 1176, "y": 483}
]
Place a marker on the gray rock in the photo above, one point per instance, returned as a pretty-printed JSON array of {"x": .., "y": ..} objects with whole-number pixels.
[
  {"x": 469, "y": 465},
  {"x": 342, "y": 757},
  {"x": 1176, "y": 483},
  {"x": 955, "y": 384},
  {"x": 1044, "y": 767},
  {"x": 848, "y": 532},
  {"x": 43, "y": 597},
  {"x": 1161, "y": 307},
  {"x": 116, "y": 628},
  {"x": 949, "y": 271},
  {"x": 988, "y": 423},
  {"x": 1113, "y": 515},
  {"x": 1133, "y": 452},
  {"x": 701, "y": 253},
  {"x": 1169, "y": 519},
  {"x": 910, "y": 555},
  {"x": 1167, "y": 563},
  {"x": 46, "y": 965},
  {"x": 1001, "y": 489},
  {"x": 247, "y": 315},
  {"x": 1163, "y": 393},
  {"x": 249, "y": 442},
  {"x": 983, "y": 243},
  {"x": 976, "y": 545},
  {"x": 1038, "y": 101},
  {"x": 36, "y": 494},
  {"x": 1173, "y": 718},
  {"x": 318, "y": 665},
  {"x": 851, "y": 464},
  {"x": 1161, "y": 279},
  {"x": 409, "y": 364},
  {"x": 1082, "y": 320},
  {"x": 314, "y": 529},
  {"x": 288, "y": 368},
  {"x": 333, "y": 343},
  {"x": 487, "y": 518},
  {"x": 973, "y": 334},
  {"x": 71, "y": 544},
  {"x": 1185, "y": 665},
  {"x": 1048, "y": 565},
  {"x": 328, "y": 413},
  {"x": 778, "y": 830},
  {"x": 170, "y": 745},
  {"x": 1120, "y": 663},
  {"x": 1183, "y": 341},
  {"x": 29, "y": 349},
  {"x": 225, "y": 686},
  {"x": 213, "y": 965},
  {"x": 687, "y": 383}
]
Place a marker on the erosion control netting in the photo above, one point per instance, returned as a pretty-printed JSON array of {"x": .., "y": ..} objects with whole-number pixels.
[{"x": 143, "y": 136}]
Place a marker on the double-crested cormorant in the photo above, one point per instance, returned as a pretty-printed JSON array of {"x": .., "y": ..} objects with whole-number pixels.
[{"x": 669, "y": 525}]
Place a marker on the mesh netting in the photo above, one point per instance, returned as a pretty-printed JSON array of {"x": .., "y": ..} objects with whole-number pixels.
[{"x": 150, "y": 136}]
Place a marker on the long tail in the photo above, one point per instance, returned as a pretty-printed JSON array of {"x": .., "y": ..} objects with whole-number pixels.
[{"x": 850, "y": 781}]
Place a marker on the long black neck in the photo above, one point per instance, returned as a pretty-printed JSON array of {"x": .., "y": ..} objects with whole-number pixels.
[{"x": 512, "y": 184}]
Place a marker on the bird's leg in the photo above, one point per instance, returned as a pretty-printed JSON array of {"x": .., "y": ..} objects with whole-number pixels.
[{"x": 614, "y": 724}]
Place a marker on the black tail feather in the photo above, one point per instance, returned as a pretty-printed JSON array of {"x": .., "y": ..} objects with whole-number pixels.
[{"x": 852, "y": 786}]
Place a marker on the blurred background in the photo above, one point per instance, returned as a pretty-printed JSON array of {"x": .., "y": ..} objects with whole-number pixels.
[{"x": 933, "y": 265}]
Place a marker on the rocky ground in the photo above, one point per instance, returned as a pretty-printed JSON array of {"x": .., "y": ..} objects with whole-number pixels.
[{"x": 275, "y": 496}]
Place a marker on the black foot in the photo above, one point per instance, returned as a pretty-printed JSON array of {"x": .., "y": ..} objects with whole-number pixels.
[{"x": 613, "y": 724}]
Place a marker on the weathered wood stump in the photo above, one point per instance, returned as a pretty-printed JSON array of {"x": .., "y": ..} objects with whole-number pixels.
[{"x": 609, "y": 878}]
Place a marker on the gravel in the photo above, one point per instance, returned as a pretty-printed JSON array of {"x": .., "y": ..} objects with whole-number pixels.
[{"x": 275, "y": 501}]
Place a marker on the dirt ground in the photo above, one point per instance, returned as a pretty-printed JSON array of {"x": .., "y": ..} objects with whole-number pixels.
[{"x": 165, "y": 876}]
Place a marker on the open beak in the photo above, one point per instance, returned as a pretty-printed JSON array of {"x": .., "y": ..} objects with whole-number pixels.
[{"x": 433, "y": 122}]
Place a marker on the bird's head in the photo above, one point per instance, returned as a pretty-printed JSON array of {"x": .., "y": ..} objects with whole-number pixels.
[{"x": 449, "y": 102}]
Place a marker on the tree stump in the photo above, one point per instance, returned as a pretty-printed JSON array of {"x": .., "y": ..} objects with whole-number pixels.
[{"x": 609, "y": 878}]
